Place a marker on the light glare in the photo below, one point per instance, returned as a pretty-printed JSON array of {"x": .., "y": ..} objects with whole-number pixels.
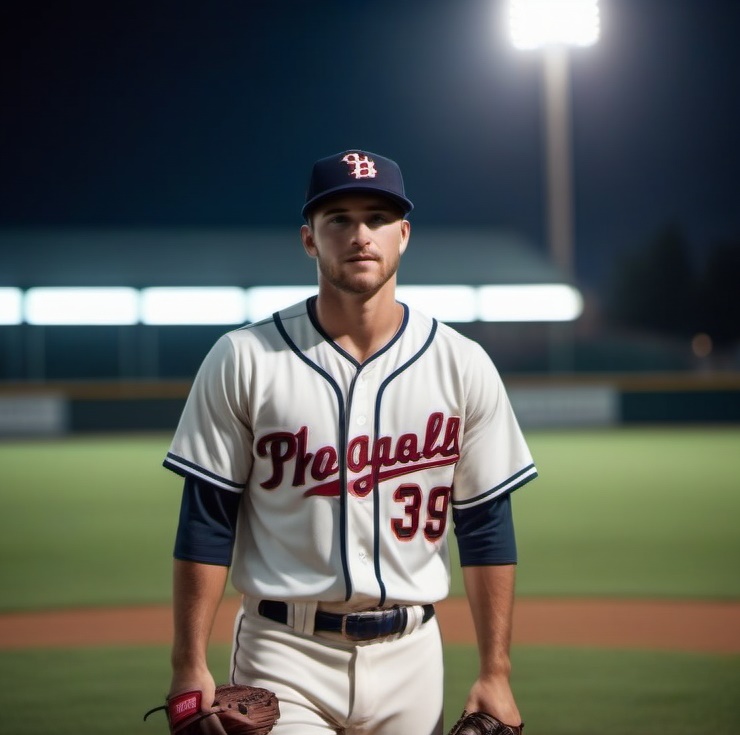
[
  {"x": 11, "y": 311},
  {"x": 446, "y": 303},
  {"x": 536, "y": 303},
  {"x": 233, "y": 305},
  {"x": 538, "y": 23},
  {"x": 81, "y": 306},
  {"x": 263, "y": 301},
  {"x": 201, "y": 305}
]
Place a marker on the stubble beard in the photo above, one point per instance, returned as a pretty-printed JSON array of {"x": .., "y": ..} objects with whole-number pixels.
[{"x": 357, "y": 284}]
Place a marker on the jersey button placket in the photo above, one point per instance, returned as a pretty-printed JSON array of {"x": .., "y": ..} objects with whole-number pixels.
[
  {"x": 360, "y": 532},
  {"x": 361, "y": 400}
]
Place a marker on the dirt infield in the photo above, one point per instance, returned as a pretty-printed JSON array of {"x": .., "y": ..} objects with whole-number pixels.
[{"x": 709, "y": 627}]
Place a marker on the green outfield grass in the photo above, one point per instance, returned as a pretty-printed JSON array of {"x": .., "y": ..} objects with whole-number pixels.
[
  {"x": 561, "y": 691},
  {"x": 641, "y": 512},
  {"x": 86, "y": 522}
]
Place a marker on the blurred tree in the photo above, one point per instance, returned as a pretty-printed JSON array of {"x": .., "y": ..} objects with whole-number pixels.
[
  {"x": 654, "y": 288},
  {"x": 719, "y": 295}
]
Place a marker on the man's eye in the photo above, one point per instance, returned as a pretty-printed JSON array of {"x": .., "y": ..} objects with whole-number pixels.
[{"x": 379, "y": 219}]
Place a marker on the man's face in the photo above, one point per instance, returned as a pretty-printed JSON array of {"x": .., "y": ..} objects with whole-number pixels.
[{"x": 357, "y": 240}]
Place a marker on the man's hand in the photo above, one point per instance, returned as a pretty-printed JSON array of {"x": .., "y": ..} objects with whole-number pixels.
[
  {"x": 494, "y": 696},
  {"x": 481, "y": 723},
  {"x": 201, "y": 680}
]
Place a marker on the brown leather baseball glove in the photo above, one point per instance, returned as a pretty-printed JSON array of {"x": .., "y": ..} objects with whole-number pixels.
[
  {"x": 481, "y": 723},
  {"x": 236, "y": 710}
]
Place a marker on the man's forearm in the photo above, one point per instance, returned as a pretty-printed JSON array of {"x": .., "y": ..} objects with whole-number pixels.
[
  {"x": 490, "y": 591},
  {"x": 197, "y": 592}
]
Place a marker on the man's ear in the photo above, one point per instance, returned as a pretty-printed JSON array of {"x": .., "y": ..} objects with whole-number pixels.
[
  {"x": 405, "y": 234},
  {"x": 309, "y": 244}
]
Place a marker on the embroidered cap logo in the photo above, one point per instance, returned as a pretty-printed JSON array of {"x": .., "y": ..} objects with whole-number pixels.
[{"x": 361, "y": 167}]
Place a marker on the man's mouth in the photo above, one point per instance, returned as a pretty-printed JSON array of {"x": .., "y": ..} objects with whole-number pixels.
[{"x": 361, "y": 258}]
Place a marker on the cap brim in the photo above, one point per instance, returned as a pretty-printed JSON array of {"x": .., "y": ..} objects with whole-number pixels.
[{"x": 405, "y": 204}]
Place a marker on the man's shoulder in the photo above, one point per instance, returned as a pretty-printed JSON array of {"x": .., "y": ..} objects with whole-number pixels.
[
  {"x": 444, "y": 334},
  {"x": 266, "y": 330}
]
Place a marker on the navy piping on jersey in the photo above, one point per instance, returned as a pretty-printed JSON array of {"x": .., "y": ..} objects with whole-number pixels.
[
  {"x": 376, "y": 488},
  {"x": 173, "y": 462},
  {"x": 342, "y": 450},
  {"x": 311, "y": 310},
  {"x": 237, "y": 646},
  {"x": 509, "y": 485}
]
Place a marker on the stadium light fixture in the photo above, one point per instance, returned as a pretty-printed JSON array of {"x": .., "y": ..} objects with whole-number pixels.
[
  {"x": 11, "y": 306},
  {"x": 198, "y": 305},
  {"x": 554, "y": 26},
  {"x": 540, "y": 23},
  {"x": 81, "y": 306}
]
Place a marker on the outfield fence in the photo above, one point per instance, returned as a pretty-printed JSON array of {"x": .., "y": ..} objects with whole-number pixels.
[{"x": 70, "y": 407}]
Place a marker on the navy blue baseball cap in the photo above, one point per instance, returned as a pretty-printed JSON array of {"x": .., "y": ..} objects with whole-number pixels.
[{"x": 358, "y": 171}]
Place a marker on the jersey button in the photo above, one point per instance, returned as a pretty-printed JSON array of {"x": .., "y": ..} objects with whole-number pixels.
[{"x": 362, "y": 420}]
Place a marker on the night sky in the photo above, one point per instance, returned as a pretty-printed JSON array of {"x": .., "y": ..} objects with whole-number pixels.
[{"x": 210, "y": 114}]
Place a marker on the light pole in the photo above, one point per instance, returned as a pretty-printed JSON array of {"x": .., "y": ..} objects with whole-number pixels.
[{"x": 554, "y": 26}]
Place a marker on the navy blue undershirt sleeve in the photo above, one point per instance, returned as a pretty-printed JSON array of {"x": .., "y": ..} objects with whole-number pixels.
[
  {"x": 485, "y": 533},
  {"x": 207, "y": 527}
]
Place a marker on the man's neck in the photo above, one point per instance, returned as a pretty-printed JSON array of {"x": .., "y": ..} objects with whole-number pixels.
[{"x": 360, "y": 326}]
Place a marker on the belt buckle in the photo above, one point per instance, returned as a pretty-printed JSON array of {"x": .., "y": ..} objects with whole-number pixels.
[
  {"x": 382, "y": 623},
  {"x": 355, "y": 617}
]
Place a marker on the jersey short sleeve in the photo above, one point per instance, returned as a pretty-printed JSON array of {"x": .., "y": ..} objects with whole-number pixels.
[
  {"x": 494, "y": 457},
  {"x": 213, "y": 437}
]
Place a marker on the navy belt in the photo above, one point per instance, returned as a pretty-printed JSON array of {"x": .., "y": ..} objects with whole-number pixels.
[{"x": 362, "y": 626}]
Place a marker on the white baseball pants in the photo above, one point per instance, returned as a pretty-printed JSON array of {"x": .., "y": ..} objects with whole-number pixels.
[{"x": 329, "y": 685}]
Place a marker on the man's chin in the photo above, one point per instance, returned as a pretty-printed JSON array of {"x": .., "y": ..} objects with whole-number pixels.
[
  {"x": 360, "y": 285},
  {"x": 360, "y": 288}
]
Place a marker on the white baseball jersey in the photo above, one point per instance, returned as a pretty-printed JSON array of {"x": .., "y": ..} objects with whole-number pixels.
[{"x": 347, "y": 470}]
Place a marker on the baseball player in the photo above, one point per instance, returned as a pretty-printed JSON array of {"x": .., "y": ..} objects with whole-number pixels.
[{"x": 326, "y": 452}]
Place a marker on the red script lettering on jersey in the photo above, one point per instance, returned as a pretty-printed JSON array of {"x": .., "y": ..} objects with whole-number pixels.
[{"x": 384, "y": 458}]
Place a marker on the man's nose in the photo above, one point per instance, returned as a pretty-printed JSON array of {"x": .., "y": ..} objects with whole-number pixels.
[{"x": 361, "y": 234}]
